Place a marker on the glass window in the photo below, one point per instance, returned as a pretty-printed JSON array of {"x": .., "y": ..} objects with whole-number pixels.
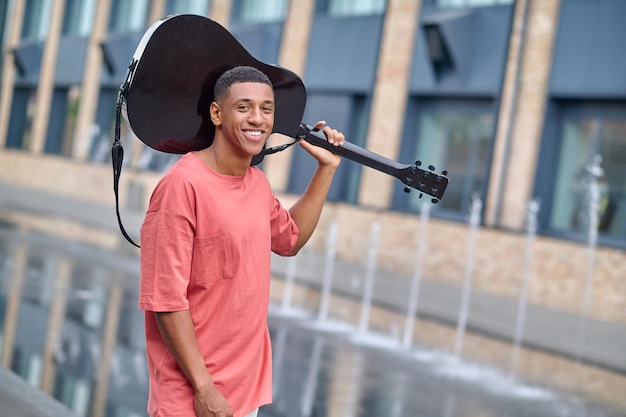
[
  {"x": 584, "y": 135},
  {"x": 355, "y": 7},
  {"x": 22, "y": 113},
  {"x": 452, "y": 135},
  {"x": 39, "y": 277},
  {"x": 128, "y": 16},
  {"x": 199, "y": 7},
  {"x": 28, "y": 365},
  {"x": 78, "y": 17},
  {"x": 88, "y": 302},
  {"x": 262, "y": 11},
  {"x": 347, "y": 113},
  {"x": 4, "y": 21},
  {"x": 471, "y": 3},
  {"x": 36, "y": 20},
  {"x": 130, "y": 325},
  {"x": 6, "y": 265},
  {"x": 62, "y": 122},
  {"x": 74, "y": 392}
]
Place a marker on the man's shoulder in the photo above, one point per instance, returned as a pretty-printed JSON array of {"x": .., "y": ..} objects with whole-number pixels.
[
  {"x": 186, "y": 169},
  {"x": 258, "y": 180}
]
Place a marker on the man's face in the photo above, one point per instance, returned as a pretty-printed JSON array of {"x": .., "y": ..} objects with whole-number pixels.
[{"x": 245, "y": 117}]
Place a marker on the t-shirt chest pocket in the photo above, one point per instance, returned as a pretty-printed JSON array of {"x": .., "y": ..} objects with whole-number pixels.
[{"x": 212, "y": 258}]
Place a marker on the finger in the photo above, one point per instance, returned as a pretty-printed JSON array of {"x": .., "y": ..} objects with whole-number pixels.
[
  {"x": 330, "y": 134},
  {"x": 334, "y": 136},
  {"x": 338, "y": 138},
  {"x": 319, "y": 125}
]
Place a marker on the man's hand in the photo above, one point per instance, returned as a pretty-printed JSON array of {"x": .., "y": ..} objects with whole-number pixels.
[
  {"x": 323, "y": 156},
  {"x": 209, "y": 402}
]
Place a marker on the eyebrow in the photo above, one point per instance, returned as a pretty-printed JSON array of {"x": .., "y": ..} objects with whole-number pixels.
[{"x": 249, "y": 100}]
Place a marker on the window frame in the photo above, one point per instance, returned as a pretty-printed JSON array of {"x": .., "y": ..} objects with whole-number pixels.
[
  {"x": 410, "y": 143},
  {"x": 558, "y": 111},
  {"x": 354, "y": 124}
]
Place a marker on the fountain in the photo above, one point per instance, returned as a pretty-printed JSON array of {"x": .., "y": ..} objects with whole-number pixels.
[
  {"x": 278, "y": 357},
  {"x": 474, "y": 222},
  {"x": 290, "y": 277},
  {"x": 594, "y": 171},
  {"x": 329, "y": 268},
  {"x": 417, "y": 277},
  {"x": 449, "y": 405},
  {"x": 532, "y": 208},
  {"x": 310, "y": 387},
  {"x": 370, "y": 275}
]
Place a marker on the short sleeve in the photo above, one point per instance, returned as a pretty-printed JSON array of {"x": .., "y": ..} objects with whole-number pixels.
[
  {"x": 167, "y": 237},
  {"x": 284, "y": 229}
]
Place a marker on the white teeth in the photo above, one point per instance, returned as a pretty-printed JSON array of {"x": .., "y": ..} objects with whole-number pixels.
[{"x": 253, "y": 132}]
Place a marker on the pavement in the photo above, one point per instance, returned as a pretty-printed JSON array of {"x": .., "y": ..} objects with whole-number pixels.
[
  {"x": 550, "y": 330},
  {"x": 19, "y": 399}
]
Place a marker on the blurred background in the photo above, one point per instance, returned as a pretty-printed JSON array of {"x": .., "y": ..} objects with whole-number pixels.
[{"x": 508, "y": 297}]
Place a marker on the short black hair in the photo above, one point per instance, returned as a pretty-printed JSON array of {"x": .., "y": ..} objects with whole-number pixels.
[{"x": 241, "y": 74}]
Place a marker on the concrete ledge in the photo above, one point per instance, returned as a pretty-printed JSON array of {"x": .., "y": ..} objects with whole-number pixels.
[{"x": 19, "y": 399}]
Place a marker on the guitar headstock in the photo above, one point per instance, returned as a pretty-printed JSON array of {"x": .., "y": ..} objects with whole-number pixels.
[{"x": 426, "y": 181}]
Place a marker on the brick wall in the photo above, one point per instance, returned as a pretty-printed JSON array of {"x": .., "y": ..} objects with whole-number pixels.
[
  {"x": 390, "y": 94},
  {"x": 528, "y": 118}
]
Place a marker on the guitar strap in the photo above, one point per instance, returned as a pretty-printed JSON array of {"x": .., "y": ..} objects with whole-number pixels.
[{"x": 117, "y": 150}]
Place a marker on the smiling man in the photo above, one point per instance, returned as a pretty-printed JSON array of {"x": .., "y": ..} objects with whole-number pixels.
[{"x": 205, "y": 259}]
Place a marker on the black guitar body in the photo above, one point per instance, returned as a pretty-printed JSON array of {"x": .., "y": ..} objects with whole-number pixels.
[{"x": 171, "y": 80}]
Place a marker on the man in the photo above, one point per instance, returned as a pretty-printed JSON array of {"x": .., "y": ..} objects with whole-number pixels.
[{"x": 205, "y": 259}]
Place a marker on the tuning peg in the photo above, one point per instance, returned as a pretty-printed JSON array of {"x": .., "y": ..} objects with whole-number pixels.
[
  {"x": 418, "y": 163},
  {"x": 444, "y": 172},
  {"x": 431, "y": 167},
  {"x": 421, "y": 195},
  {"x": 407, "y": 190},
  {"x": 434, "y": 201}
]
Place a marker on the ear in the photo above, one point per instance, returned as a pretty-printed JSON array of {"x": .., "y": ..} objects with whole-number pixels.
[{"x": 215, "y": 111}]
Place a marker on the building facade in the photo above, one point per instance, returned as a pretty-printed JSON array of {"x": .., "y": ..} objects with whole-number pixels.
[{"x": 515, "y": 99}]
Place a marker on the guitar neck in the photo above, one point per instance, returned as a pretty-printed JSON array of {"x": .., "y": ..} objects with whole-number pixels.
[
  {"x": 425, "y": 181},
  {"x": 355, "y": 153}
]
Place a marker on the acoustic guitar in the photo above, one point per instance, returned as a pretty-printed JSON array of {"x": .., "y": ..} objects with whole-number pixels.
[{"x": 169, "y": 88}]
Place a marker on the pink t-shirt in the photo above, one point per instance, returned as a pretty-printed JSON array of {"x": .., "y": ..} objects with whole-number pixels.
[{"x": 205, "y": 247}]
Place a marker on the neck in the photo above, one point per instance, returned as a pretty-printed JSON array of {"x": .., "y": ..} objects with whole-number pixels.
[{"x": 224, "y": 162}]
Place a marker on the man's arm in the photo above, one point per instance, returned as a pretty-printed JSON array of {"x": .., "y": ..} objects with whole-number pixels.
[
  {"x": 180, "y": 338},
  {"x": 307, "y": 210}
]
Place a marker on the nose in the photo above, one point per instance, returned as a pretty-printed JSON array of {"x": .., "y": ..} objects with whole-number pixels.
[{"x": 255, "y": 115}]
